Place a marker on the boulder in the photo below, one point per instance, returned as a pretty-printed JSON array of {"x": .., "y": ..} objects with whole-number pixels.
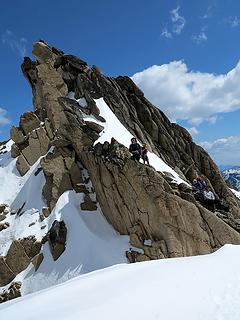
[
  {"x": 3, "y": 207},
  {"x": 57, "y": 176},
  {"x": 4, "y": 225},
  {"x": 15, "y": 151},
  {"x": 94, "y": 126},
  {"x": 46, "y": 212},
  {"x": 17, "y": 135},
  {"x": 57, "y": 238},
  {"x": 88, "y": 204},
  {"x": 6, "y": 274},
  {"x": 22, "y": 165},
  {"x": 2, "y": 217},
  {"x": 29, "y": 122},
  {"x": 31, "y": 246},
  {"x": 16, "y": 258},
  {"x": 14, "y": 291}
]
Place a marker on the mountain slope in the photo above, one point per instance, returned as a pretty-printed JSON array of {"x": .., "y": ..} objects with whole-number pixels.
[{"x": 73, "y": 199}]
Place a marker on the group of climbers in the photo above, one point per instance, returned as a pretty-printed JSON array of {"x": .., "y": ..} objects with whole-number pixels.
[
  {"x": 209, "y": 199},
  {"x": 199, "y": 184},
  {"x": 138, "y": 152}
]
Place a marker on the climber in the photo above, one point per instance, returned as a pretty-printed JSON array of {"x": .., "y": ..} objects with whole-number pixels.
[
  {"x": 199, "y": 183},
  {"x": 135, "y": 149},
  {"x": 209, "y": 199},
  {"x": 132, "y": 255},
  {"x": 202, "y": 181},
  {"x": 144, "y": 154}
]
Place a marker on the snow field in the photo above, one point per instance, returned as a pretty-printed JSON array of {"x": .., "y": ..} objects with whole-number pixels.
[{"x": 194, "y": 288}]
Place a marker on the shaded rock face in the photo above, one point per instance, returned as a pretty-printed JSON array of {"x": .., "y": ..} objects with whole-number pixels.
[
  {"x": 135, "y": 199},
  {"x": 57, "y": 238}
]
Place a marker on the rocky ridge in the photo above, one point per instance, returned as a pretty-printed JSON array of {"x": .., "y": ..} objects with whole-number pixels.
[{"x": 136, "y": 199}]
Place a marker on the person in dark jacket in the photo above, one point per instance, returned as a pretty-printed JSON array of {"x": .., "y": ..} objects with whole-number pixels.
[
  {"x": 135, "y": 149},
  {"x": 199, "y": 184}
]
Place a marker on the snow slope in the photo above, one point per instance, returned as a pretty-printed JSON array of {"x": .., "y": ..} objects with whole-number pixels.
[
  {"x": 237, "y": 193},
  {"x": 10, "y": 180},
  {"x": 91, "y": 242},
  {"x": 194, "y": 288}
]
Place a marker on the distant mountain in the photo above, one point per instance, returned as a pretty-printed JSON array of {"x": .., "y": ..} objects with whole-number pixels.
[
  {"x": 227, "y": 167},
  {"x": 232, "y": 177}
]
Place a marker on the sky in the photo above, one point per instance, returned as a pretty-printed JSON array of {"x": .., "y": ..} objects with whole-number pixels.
[{"x": 183, "y": 54}]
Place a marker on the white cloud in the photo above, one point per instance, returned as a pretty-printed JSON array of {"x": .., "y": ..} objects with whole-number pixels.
[
  {"x": 201, "y": 37},
  {"x": 177, "y": 24},
  {"x": 3, "y": 119},
  {"x": 234, "y": 21},
  {"x": 16, "y": 44},
  {"x": 213, "y": 119},
  {"x": 224, "y": 151},
  {"x": 177, "y": 21},
  {"x": 208, "y": 13},
  {"x": 193, "y": 131},
  {"x": 189, "y": 95},
  {"x": 165, "y": 33}
]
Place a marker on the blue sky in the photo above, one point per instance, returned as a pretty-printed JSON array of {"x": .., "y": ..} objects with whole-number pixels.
[{"x": 179, "y": 52}]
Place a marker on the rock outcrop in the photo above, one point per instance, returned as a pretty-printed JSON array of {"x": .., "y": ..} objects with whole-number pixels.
[
  {"x": 19, "y": 255},
  {"x": 11, "y": 293},
  {"x": 136, "y": 199},
  {"x": 162, "y": 218},
  {"x": 57, "y": 238}
]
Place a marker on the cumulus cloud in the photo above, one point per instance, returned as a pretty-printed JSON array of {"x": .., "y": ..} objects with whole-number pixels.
[
  {"x": 224, "y": 151},
  {"x": 187, "y": 95},
  {"x": 177, "y": 24},
  {"x": 17, "y": 45},
  {"x": 3, "y": 117}
]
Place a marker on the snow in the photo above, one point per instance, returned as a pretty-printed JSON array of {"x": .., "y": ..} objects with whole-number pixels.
[
  {"x": 195, "y": 288},
  {"x": 237, "y": 193},
  {"x": 29, "y": 197},
  {"x": 82, "y": 101},
  {"x": 91, "y": 242},
  {"x": 114, "y": 128}
]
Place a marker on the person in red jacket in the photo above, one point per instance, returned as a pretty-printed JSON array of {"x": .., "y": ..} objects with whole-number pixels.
[{"x": 144, "y": 154}]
